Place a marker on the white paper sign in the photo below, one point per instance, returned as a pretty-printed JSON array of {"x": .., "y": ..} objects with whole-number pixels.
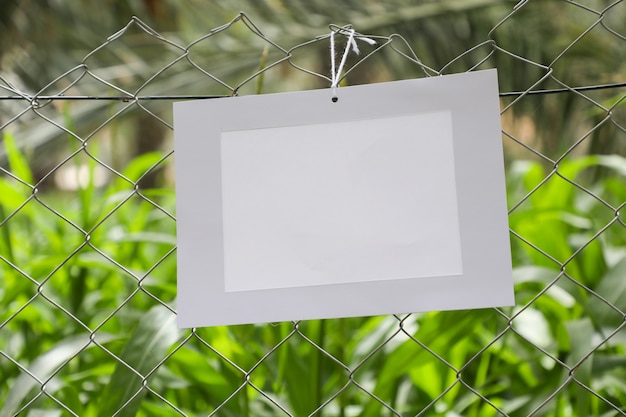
[{"x": 391, "y": 200}]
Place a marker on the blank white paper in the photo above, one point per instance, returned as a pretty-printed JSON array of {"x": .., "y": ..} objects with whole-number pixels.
[
  {"x": 391, "y": 200},
  {"x": 339, "y": 203}
]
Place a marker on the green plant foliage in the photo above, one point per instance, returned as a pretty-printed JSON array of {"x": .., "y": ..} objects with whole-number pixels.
[
  {"x": 570, "y": 301},
  {"x": 148, "y": 343},
  {"x": 26, "y": 385}
]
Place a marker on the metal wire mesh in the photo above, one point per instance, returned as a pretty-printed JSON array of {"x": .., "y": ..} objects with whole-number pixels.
[{"x": 87, "y": 253}]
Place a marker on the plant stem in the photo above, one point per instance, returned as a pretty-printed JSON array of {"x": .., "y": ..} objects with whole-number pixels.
[
  {"x": 318, "y": 364},
  {"x": 245, "y": 403},
  {"x": 6, "y": 236},
  {"x": 262, "y": 65}
]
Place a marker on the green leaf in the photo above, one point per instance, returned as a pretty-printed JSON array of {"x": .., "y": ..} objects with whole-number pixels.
[
  {"x": 17, "y": 163},
  {"x": 409, "y": 355},
  {"x": 140, "y": 165},
  {"x": 615, "y": 162},
  {"x": 534, "y": 326},
  {"x": 13, "y": 195},
  {"x": 300, "y": 389},
  {"x": 603, "y": 364},
  {"x": 152, "y": 237},
  {"x": 581, "y": 336},
  {"x": 557, "y": 192},
  {"x": 613, "y": 288},
  {"x": 148, "y": 345},
  {"x": 545, "y": 228},
  {"x": 193, "y": 367},
  {"x": 533, "y": 273},
  {"x": 24, "y": 387}
]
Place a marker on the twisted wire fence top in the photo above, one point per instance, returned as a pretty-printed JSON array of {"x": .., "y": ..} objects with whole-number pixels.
[{"x": 87, "y": 235}]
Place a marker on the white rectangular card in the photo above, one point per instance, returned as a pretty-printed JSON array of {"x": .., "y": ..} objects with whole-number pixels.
[{"x": 390, "y": 200}]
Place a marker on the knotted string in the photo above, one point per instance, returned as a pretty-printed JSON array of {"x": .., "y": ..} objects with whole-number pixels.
[{"x": 335, "y": 73}]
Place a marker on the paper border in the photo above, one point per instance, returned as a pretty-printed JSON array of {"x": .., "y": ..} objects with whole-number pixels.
[{"x": 472, "y": 98}]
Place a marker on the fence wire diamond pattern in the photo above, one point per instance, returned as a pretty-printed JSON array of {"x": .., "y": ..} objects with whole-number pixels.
[{"x": 87, "y": 248}]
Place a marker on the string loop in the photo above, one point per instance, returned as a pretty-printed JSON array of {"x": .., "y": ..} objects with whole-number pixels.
[{"x": 335, "y": 72}]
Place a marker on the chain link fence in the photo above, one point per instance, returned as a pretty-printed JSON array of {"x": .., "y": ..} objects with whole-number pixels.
[{"x": 87, "y": 242}]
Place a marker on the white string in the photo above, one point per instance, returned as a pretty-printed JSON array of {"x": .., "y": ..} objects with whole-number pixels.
[
  {"x": 332, "y": 62},
  {"x": 335, "y": 74},
  {"x": 351, "y": 42}
]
